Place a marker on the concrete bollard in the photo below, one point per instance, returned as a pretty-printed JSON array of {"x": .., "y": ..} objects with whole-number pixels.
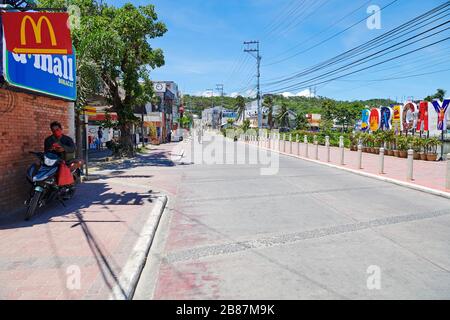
[
  {"x": 327, "y": 145},
  {"x": 381, "y": 168},
  {"x": 359, "y": 157},
  {"x": 290, "y": 143},
  {"x": 279, "y": 143},
  {"x": 410, "y": 175},
  {"x": 316, "y": 150},
  {"x": 341, "y": 145},
  {"x": 305, "y": 141},
  {"x": 298, "y": 144},
  {"x": 447, "y": 184}
]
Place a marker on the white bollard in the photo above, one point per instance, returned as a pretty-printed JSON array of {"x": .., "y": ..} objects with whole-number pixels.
[
  {"x": 327, "y": 145},
  {"x": 410, "y": 175},
  {"x": 341, "y": 145},
  {"x": 305, "y": 140},
  {"x": 298, "y": 144},
  {"x": 381, "y": 169},
  {"x": 447, "y": 185},
  {"x": 360, "y": 156},
  {"x": 284, "y": 142}
]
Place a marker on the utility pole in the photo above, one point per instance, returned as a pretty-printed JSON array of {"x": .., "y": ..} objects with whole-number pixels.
[{"x": 252, "y": 47}]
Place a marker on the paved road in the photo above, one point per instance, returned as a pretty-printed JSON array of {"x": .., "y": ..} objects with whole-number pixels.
[{"x": 308, "y": 232}]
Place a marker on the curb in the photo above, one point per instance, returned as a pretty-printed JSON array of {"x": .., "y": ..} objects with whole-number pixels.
[
  {"x": 370, "y": 175},
  {"x": 131, "y": 273}
]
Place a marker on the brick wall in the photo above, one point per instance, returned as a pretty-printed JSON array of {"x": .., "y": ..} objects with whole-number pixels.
[{"x": 24, "y": 125}]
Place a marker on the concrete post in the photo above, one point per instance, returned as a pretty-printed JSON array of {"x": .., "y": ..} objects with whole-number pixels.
[
  {"x": 327, "y": 145},
  {"x": 341, "y": 145},
  {"x": 359, "y": 157},
  {"x": 298, "y": 144},
  {"x": 316, "y": 150},
  {"x": 410, "y": 175},
  {"x": 305, "y": 140},
  {"x": 279, "y": 142},
  {"x": 381, "y": 171},
  {"x": 447, "y": 184},
  {"x": 290, "y": 143}
]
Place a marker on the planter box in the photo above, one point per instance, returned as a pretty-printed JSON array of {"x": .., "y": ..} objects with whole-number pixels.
[
  {"x": 416, "y": 156},
  {"x": 390, "y": 152},
  {"x": 396, "y": 153},
  {"x": 423, "y": 156},
  {"x": 403, "y": 154},
  {"x": 432, "y": 157}
]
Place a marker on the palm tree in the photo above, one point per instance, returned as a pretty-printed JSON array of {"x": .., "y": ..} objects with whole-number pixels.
[
  {"x": 240, "y": 107},
  {"x": 301, "y": 121},
  {"x": 283, "y": 116},
  {"x": 268, "y": 103}
]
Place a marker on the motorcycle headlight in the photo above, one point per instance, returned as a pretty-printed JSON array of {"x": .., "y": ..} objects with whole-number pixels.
[{"x": 49, "y": 162}]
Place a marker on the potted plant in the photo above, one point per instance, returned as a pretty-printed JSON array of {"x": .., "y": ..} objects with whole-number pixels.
[
  {"x": 433, "y": 144},
  {"x": 402, "y": 146},
  {"x": 389, "y": 138},
  {"x": 417, "y": 145},
  {"x": 378, "y": 140}
]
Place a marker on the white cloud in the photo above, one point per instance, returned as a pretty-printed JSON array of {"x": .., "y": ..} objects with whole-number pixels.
[{"x": 305, "y": 93}]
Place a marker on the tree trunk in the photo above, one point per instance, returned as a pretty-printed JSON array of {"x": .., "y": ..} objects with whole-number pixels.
[
  {"x": 79, "y": 135},
  {"x": 126, "y": 140}
]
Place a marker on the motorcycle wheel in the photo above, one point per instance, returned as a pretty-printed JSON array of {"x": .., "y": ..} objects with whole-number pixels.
[{"x": 32, "y": 206}]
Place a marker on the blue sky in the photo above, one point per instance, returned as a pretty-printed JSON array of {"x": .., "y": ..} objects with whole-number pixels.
[{"x": 204, "y": 46}]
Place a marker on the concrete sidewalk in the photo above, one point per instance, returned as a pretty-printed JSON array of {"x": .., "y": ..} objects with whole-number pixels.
[
  {"x": 427, "y": 174},
  {"x": 79, "y": 251}
]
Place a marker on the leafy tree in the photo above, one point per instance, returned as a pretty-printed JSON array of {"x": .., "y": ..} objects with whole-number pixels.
[
  {"x": 268, "y": 103},
  {"x": 115, "y": 41}
]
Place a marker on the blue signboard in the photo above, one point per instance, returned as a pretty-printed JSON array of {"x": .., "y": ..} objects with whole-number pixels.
[{"x": 53, "y": 75}]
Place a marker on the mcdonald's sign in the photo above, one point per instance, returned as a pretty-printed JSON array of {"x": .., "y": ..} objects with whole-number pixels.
[{"x": 37, "y": 33}]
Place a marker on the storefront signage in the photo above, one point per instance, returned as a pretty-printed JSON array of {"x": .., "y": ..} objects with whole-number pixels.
[{"x": 37, "y": 32}]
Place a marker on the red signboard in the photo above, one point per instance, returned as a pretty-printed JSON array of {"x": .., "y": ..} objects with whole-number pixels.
[{"x": 37, "y": 32}]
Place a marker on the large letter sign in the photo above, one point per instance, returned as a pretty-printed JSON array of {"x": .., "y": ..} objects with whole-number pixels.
[
  {"x": 441, "y": 109},
  {"x": 397, "y": 118},
  {"x": 409, "y": 116},
  {"x": 375, "y": 117},
  {"x": 422, "y": 119},
  {"x": 386, "y": 118},
  {"x": 365, "y": 120}
]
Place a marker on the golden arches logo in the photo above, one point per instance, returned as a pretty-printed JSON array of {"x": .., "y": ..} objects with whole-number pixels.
[{"x": 37, "y": 30}]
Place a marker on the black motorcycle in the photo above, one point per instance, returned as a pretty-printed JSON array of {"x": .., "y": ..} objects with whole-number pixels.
[{"x": 43, "y": 177}]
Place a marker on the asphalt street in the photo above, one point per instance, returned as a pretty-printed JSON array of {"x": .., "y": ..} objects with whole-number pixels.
[{"x": 307, "y": 232}]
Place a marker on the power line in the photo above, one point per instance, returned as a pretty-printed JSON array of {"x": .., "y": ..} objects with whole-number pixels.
[
  {"x": 382, "y": 52},
  {"x": 369, "y": 67},
  {"x": 333, "y": 36},
  {"x": 318, "y": 34},
  {"x": 363, "y": 47}
]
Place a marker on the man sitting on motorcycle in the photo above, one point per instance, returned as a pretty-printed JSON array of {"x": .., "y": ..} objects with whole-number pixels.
[{"x": 60, "y": 144}]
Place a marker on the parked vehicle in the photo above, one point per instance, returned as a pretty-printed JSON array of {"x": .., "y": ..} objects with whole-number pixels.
[{"x": 46, "y": 183}]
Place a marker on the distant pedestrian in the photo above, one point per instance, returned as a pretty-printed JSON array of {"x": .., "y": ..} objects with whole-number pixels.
[{"x": 100, "y": 138}]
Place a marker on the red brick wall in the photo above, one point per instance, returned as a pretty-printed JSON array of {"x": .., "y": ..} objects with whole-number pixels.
[{"x": 24, "y": 125}]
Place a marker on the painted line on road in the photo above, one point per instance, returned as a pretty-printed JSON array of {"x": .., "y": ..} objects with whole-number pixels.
[
  {"x": 371, "y": 175},
  {"x": 131, "y": 273},
  {"x": 292, "y": 238}
]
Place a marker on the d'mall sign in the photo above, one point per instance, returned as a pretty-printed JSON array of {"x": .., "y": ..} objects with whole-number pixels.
[{"x": 38, "y": 54}]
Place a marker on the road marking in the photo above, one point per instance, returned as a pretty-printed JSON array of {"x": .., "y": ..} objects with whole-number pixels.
[{"x": 287, "y": 239}]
